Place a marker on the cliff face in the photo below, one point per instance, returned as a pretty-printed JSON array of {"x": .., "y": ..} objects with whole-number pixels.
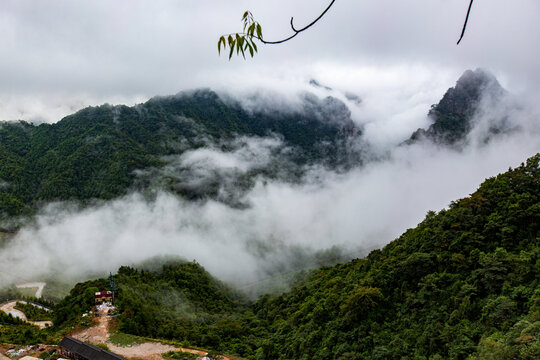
[{"x": 452, "y": 116}]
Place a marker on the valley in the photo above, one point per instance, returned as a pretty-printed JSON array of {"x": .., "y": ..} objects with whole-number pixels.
[
  {"x": 480, "y": 297},
  {"x": 335, "y": 180},
  {"x": 461, "y": 284}
]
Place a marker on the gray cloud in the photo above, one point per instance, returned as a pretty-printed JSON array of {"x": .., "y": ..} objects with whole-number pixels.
[
  {"x": 399, "y": 57},
  {"x": 355, "y": 211},
  {"x": 126, "y": 49}
]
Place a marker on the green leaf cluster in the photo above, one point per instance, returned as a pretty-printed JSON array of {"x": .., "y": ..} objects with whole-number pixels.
[{"x": 243, "y": 41}]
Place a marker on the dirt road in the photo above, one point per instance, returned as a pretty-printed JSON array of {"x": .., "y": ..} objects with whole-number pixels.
[
  {"x": 99, "y": 334},
  {"x": 38, "y": 286},
  {"x": 9, "y": 308}
]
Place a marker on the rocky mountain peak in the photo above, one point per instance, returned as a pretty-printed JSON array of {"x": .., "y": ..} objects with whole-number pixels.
[
  {"x": 452, "y": 116},
  {"x": 463, "y": 99}
]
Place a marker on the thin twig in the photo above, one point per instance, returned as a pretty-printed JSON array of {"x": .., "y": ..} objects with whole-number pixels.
[
  {"x": 465, "y": 24},
  {"x": 296, "y": 32}
]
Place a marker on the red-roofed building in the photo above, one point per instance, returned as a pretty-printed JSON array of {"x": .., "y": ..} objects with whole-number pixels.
[{"x": 103, "y": 296}]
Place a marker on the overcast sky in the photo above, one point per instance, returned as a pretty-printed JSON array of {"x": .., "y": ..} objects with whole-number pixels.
[
  {"x": 400, "y": 57},
  {"x": 60, "y": 55}
]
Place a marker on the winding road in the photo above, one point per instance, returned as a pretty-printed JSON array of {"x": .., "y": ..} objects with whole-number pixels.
[
  {"x": 35, "y": 285},
  {"x": 9, "y": 308}
]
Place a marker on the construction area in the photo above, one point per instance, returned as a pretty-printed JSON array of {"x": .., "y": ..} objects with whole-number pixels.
[{"x": 90, "y": 343}]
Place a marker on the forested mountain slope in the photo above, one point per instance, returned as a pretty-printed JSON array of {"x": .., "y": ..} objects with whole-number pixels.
[
  {"x": 93, "y": 153},
  {"x": 104, "y": 152},
  {"x": 463, "y": 283}
]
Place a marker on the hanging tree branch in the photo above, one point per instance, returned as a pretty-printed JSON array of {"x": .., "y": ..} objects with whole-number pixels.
[
  {"x": 253, "y": 31},
  {"x": 245, "y": 40},
  {"x": 465, "y": 24},
  {"x": 296, "y": 32}
]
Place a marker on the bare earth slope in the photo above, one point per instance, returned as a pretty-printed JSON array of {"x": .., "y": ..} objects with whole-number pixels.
[{"x": 99, "y": 334}]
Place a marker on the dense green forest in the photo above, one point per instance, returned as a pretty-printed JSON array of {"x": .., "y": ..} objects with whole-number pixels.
[
  {"x": 93, "y": 154},
  {"x": 463, "y": 284},
  {"x": 16, "y": 331},
  {"x": 33, "y": 312}
]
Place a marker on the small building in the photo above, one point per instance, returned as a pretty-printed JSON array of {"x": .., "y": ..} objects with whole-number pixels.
[
  {"x": 103, "y": 296},
  {"x": 78, "y": 350}
]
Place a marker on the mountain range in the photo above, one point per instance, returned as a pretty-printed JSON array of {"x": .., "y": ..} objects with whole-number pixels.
[
  {"x": 106, "y": 151},
  {"x": 462, "y": 284}
]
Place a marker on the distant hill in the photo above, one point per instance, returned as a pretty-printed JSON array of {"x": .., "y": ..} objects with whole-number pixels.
[
  {"x": 106, "y": 151},
  {"x": 93, "y": 153},
  {"x": 452, "y": 116}
]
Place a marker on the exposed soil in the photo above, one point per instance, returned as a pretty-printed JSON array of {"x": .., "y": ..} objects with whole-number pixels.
[
  {"x": 9, "y": 308},
  {"x": 37, "y": 286},
  {"x": 99, "y": 334},
  {"x": 42, "y": 324},
  {"x": 147, "y": 350}
]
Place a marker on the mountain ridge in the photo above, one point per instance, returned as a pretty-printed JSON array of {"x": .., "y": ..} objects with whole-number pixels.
[
  {"x": 103, "y": 152},
  {"x": 93, "y": 153}
]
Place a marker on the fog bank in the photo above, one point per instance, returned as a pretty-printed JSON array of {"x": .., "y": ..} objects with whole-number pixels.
[{"x": 282, "y": 225}]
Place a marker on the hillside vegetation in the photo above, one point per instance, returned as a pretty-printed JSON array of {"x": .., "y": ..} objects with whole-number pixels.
[
  {"x": 93, "y": 154},
  {"x": 463, "y": 284}
]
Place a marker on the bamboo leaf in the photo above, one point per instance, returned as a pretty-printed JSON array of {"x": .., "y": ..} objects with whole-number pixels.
[
  {"x": 221, "y": 40},
  {"x": 243, "y": 53},
  {"x": 251, "y": 29},
  {"x": 231, "y": 44}
]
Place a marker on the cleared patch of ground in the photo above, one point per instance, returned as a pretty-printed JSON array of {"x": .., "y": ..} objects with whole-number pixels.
[
  {"x": 36, "y": 286},
  {"x": 9, "y": 308},
  {"x": 99, "y": 334}
]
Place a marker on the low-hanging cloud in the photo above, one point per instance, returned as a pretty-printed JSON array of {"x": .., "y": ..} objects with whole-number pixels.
[{"x": 281, "y": 222}]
